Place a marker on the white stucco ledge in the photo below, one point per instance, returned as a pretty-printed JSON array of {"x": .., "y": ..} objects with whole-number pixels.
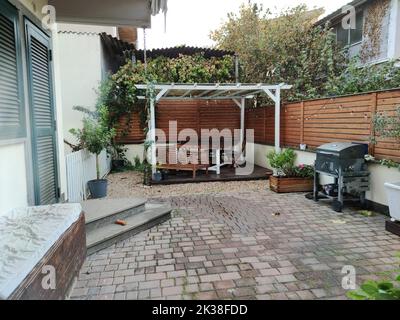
[{"x": 26, "y": 235}]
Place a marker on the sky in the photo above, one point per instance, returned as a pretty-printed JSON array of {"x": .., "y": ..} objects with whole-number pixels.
[{"x": 191, "y": 21}]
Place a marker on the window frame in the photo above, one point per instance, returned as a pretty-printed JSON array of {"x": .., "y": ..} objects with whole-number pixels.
[{"x": 349, "y": 43}]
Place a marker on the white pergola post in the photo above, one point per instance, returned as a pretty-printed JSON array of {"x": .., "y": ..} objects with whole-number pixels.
[
  {"x": 153, "y": 136},
  {"x": 152, "y": 128},
  {"x": 242, "y": 106},
  {"x": 277, "y": 99},
  {"x": 242, "y": 114},
  {"x": 278, "y": 119}
]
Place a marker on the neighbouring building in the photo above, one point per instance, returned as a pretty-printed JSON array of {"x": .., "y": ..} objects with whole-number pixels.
[
  {"x": 32, "y": 162},
  {"x": 376, "y": 36}
]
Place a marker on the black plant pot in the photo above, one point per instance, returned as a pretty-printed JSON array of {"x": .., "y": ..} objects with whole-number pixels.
[
  {"x": 158, "y": 176},
  {"x": 118, "y": 164},
  {"x": 98, "y": 188}
]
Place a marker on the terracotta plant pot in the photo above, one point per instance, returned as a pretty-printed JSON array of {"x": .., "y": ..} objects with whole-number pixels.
[{"x": 287, "y": 185}]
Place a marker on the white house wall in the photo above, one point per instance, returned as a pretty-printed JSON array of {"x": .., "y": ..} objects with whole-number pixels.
[
  {"x": 13, "y": 173},
  {"x": 81, "y": 74}
]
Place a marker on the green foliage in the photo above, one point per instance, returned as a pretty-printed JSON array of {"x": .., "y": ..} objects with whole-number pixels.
[
  {"x": 376, "y": 290},
  {"x": 383, "y": 289},
  {"x": 188, "y": 69},
  {"x": 387, "y": 126},
  {"x": 120, "y": 95},
  {"x": 303, "y": 171},
  {"x": 282, "y": 161},
  {"x": 287, "y": 48},
  {"x": 356, "y": 79},
  {"x": 95, "y": 136},
  {"x": 118, "y": 152}
]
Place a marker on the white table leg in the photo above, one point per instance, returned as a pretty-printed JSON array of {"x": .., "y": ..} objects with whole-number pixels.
[{"x": 218, "y": 160}]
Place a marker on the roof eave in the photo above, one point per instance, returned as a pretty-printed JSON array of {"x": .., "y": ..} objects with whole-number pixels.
[{"x": 336, "y": 15}]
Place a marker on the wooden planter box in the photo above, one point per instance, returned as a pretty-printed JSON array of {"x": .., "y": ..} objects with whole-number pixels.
[{"x": 287, "y": 185}]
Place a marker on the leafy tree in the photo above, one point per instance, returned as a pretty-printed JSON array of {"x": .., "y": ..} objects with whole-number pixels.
[
  {"x": 287, "y": 48},
  {"x": 95, "y": 136}
]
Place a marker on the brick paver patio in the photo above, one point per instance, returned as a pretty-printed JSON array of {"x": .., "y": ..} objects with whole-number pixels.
[{"x": 247, "y": 245}]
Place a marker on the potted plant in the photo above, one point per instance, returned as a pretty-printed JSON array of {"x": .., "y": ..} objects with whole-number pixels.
[
  {"x": 287, "y": 176},
  {"x": 388, "y": 127},
  {"x": 95, "y": 136}
]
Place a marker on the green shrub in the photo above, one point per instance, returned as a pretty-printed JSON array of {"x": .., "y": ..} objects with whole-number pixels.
[
  {"x": 95, "y": 136},
  {"x": 283, "y": 161}
]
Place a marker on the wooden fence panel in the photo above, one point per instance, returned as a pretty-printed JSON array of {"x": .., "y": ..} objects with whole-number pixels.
[
  {"x": 191, "y": 114},
  {"x": 291, "y": 124},
  {"x": 185, "y": 113},
  {"x": 130, "y": 131},
  {"x": 255, "y": 119},
  {"x": 339, "y": 119},
  {"x": 314, "y": 123},
  {"x": 388, "y": 102}
]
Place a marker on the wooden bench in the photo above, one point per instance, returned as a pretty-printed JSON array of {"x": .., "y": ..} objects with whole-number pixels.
[{"x": 185, "y": 167}]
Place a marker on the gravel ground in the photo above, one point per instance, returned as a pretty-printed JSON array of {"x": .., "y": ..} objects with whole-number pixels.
[{"x": 129, "y": 184}]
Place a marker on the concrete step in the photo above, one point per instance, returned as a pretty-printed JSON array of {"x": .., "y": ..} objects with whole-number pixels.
[
  {"x": 110, "y": 234},
  {"x": 102, "y": 212}
]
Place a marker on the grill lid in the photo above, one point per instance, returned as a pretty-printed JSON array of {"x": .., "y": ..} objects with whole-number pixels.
[{"x": 344, "y": 149}]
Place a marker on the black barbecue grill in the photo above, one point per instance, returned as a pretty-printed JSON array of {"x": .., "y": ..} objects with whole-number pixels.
[{"x": 344, "y": 162}]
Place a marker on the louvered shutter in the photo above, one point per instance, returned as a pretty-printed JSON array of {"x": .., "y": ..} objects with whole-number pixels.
[
  {"x": 12, "y": 117},
  {"x": 42, "y": 116}
]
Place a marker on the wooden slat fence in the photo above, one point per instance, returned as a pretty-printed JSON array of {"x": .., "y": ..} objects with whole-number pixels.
[
  {"x": 314, "y": 122},
  {"x": 193, "y": 114}
]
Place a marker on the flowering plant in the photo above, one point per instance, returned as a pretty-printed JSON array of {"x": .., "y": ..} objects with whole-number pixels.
[
  {"x": 283, "y": 163},
  {"x": 303, "y": 171}
]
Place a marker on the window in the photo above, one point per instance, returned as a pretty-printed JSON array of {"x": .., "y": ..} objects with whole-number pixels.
[
  {"x": 348, "y": 37},
  {"x": 12, "y": 117}
]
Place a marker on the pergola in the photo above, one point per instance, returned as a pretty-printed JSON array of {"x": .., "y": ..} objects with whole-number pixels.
[{"x": 236, "y": 92}]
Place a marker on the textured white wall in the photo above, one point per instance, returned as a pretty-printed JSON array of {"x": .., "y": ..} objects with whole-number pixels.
[
  {"x": 13, "y": 181},
  {"x": 80, "y": 66},
  {"x": 379, "y": 174},
  {"x": 134, "y": 150}
]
